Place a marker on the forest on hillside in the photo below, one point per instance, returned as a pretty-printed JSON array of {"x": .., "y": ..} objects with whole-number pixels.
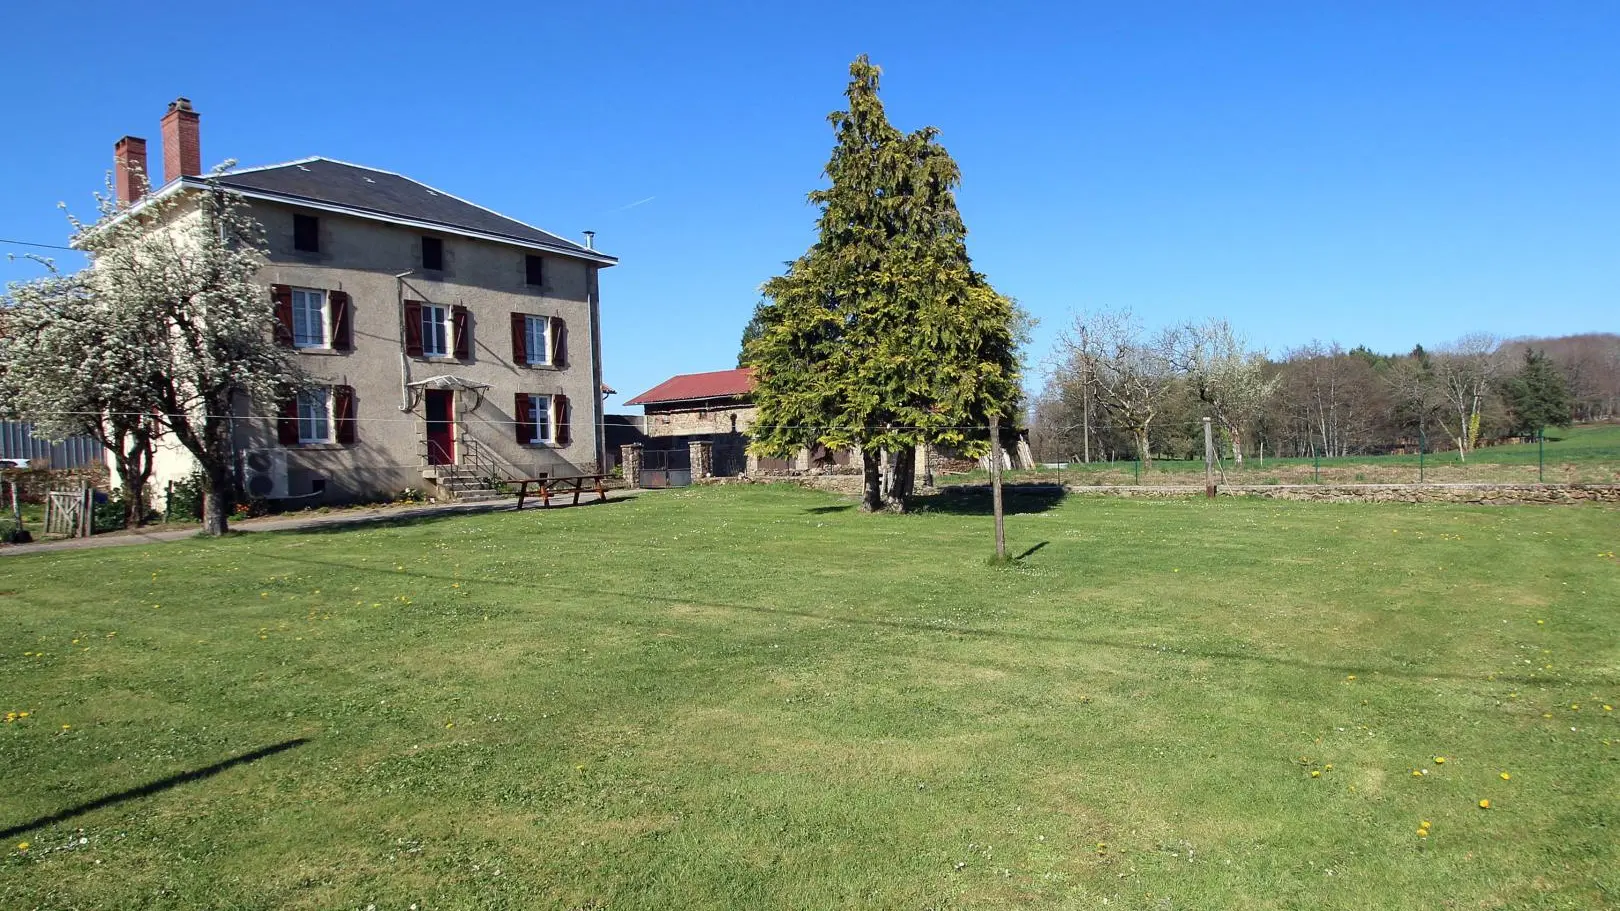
[{"x": 1117, "y": 391}]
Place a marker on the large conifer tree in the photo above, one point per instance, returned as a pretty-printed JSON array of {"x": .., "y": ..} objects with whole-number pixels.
[{"x": 881, "y": 336}]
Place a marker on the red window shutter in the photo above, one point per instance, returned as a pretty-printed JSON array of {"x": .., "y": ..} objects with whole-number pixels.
[
  {"x": 559, "y": 342},
  {"x": 413, "y": 328},
  {"x": 343, "y": 413},
  {"x": 287, "y": 424},
  {"x": 459, "y": 325},
  {"x": 520, "y": 338},
  {"x": 282, "y": 296},
  {"x": 520, "y": 419},
  {"x": 564, "y": 434},
  {"x": 337, "y": 302}
]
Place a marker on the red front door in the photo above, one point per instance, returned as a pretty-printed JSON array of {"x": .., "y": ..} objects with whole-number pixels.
[{"x": 441, "y": 435}]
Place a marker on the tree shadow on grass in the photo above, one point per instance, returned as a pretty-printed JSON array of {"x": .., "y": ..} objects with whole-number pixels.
[
  {"x": 154, "y": 787},
  {"x": 1030, "y": 552},
  {"x": 825, "y": 510},
  {"x": 418, "y": 518},
  {"x": 975, "y": 499},
  {"x": 921, "y": 628}
]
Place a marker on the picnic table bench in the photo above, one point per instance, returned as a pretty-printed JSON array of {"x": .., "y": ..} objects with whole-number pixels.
[{"x": 547, "y": 487}]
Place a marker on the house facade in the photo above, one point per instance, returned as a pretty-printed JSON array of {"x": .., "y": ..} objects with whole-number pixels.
[
  {"x": 447, "y": 344},
  {"x": 718, "y": 408}
]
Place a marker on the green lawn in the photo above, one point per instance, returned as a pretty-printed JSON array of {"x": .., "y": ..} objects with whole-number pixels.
[
  {"x": 753, "y": 697},
  {"x": 1587, "y": 454}
]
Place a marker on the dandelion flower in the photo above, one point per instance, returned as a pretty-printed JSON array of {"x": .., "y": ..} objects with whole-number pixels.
[
  {"x": 1608, "y": 708},
  {"x": 1316, "y": 773},
  {"x": 1328, "y": 767},
  {"x": 1439, "y": 760},
  {"x": 22, "y": 845},
  {"x": 1506, "y": 777},
  {"x": 1423, "y": 833},
  {"x": 66, "y": 726},
  {"x": 1485, "y": 805},
  {"x": 1425, "y": 824}
]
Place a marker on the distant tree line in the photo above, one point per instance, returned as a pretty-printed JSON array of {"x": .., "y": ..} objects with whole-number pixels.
[{"x": 1118, "y": 391}]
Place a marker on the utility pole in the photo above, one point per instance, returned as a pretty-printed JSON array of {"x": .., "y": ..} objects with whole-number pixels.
[
  {"x": 1209, "y": 461},
  {"x": 995, "y": 485},
  {"x": 1085, "y": 410}
]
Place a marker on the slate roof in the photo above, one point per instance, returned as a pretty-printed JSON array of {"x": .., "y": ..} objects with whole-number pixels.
[
  {"x": 367, "y": 191},
  {"x": 693, "y": 386}
]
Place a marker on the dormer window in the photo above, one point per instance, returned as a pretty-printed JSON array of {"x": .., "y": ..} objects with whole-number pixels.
[{"x": 306, "y": 234}]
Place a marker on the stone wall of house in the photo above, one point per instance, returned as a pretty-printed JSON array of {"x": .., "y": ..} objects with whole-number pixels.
[{"x": 698, "y": 421}]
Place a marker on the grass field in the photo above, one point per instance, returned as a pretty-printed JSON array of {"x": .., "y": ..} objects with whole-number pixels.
[
  {"x": 1588, "y": 454},
  {"x": 757, "y": 698}
]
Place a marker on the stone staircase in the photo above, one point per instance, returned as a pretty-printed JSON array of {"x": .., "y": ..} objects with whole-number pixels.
[{"x": 461, "y": 483}]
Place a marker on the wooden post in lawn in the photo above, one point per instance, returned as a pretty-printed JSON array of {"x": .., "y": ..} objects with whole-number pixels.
[
  {"x": 1209, "y": 461},
  {"x": 995, "y": 485}
]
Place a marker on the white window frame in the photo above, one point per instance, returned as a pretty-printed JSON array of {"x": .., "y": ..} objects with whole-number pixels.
[
  {"x": 541, "y": 406},
  {"x": 302, "y": 300},
  {"x": 543, "y": 359},
  {"x": 436, "y": 328},
  {"x": 315, "y": 421}
]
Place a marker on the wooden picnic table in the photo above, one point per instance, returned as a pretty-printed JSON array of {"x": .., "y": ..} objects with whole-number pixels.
[{"x": 547, "y": 487}]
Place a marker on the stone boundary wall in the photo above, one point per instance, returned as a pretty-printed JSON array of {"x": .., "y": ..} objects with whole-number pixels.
[{"x": 1485, "y": 494}]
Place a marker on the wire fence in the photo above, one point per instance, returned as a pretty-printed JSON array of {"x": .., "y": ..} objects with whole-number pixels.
[{"x": 1583, "y": 454}]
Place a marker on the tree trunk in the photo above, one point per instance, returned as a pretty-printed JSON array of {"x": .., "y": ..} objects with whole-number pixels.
[
  {"x": 1237, "y": 445},
  {"x": 903, "y": 477},
  {"x": 1143, "y": 451},
  {"x": 872, "y": 479},
  {"x": 134, "y": 459},
  {"x": 217, "y": 498}
]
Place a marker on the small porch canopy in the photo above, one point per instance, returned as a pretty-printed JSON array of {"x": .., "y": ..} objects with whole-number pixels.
[{"x": 453, "y": 383}]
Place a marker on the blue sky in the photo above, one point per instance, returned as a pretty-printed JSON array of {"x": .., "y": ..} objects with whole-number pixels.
[{"x": 1378, "y": 173}]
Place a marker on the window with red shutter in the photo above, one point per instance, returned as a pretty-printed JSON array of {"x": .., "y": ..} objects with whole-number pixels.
[
  {"x": 413, "y": 328},
  {"x": 520, "y": 336},
  {"x": 563, "y": 432},
  {"x": 520, "y": 418},
  {"x": 343, "y": 413},
  {"x": 281, "y": 295},
  {"x": 287, "y": 423},
  {"x": 342, "y": 330},
  {"x": 460, "y": 324},
  {"x": 559, "y": 342}
]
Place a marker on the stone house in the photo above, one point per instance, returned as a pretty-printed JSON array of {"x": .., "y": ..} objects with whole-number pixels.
[
  {"x": 715, "y": 410},
  {"x": 449, "y": 343}
]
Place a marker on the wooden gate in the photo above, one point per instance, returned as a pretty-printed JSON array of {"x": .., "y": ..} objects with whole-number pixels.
[{"x": 69, "y": 512}]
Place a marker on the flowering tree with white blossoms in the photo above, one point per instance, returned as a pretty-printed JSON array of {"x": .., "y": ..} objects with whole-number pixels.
[
  {"x": 175, "y": 279},
  {"x": 69, "y": 367}
]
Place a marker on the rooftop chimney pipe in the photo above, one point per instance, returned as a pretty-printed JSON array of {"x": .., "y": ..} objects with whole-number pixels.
[
  {"x": 129, "y": 170},
  {"x": 182, "y": 141},
  {"x": 590, "y": 240}
]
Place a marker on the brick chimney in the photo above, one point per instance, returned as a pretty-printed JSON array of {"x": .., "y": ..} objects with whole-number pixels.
[
  {"x": 182, "y": 141},
  {"x": 129, "y": 169}
]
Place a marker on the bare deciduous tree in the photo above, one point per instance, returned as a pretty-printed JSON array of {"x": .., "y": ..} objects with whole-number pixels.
[
  {"x": 1464, "y": 372},
  {"x": 1128, "y": 373},
  {"x": 1229, "y": 379}
]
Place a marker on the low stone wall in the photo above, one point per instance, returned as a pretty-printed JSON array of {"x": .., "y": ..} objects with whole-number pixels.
[{"x": 1485, "y": 494}]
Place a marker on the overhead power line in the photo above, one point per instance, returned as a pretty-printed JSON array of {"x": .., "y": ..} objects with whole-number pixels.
[{"x": 24, "y": 243}]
